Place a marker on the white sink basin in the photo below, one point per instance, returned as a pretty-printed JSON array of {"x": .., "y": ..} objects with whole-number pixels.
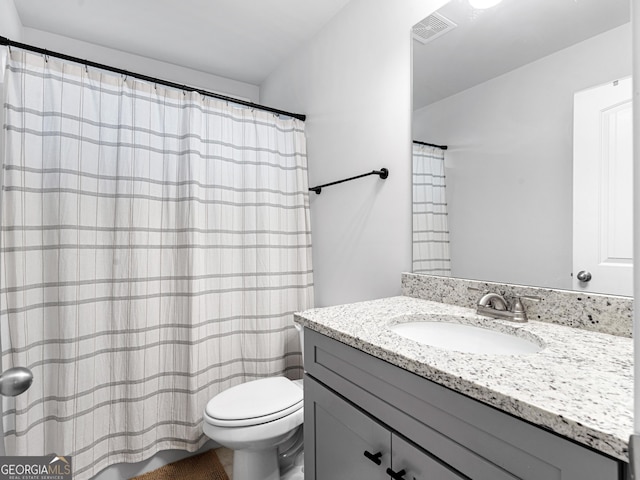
[{"x": 465, "y": 338}]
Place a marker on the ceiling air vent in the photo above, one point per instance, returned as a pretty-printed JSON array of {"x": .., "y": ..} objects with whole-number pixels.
[{"x": 432, "y": 27}]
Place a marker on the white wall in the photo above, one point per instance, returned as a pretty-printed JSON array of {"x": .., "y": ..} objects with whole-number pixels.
[
  {"x": 138, "y": 64},
  {"x": 509, "y": 163},
  {"x": 635, "y": 19},
  {"x": 10, "y": 24},
  {"x": 353, "y": 82}
]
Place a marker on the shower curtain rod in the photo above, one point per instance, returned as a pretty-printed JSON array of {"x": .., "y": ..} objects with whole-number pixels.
[
  {"x": 442, "y": 147},
  {"x": 89, "y": 63}
]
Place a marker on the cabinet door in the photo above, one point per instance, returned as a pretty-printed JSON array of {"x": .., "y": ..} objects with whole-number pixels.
[
  {"x": 347, "y": 443},
  {"x": 417, "y": 464}
]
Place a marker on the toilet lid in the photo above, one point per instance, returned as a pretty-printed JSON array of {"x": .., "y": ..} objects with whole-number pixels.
[{"x": 255, "y": 402}]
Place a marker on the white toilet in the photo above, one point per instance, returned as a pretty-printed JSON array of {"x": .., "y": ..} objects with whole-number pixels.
[{"x": 254, "y": 419}]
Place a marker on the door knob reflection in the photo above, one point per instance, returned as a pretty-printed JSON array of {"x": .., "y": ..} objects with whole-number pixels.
[{"x": 584, "y": 276}]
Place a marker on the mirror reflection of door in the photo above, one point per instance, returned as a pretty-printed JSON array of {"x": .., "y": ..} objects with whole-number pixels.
[{"x": 603, "y": 189}]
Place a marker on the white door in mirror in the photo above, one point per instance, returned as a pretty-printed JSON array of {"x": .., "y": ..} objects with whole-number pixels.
[{"x": 603, "y": 189}]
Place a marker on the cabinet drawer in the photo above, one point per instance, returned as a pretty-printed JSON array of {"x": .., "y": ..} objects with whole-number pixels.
[{"x": 468, "y": 435}]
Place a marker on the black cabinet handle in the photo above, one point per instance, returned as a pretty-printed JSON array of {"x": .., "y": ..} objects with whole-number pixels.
[
  {"x": 397, "y": 475},
  {"x": 374, "y": 457}
]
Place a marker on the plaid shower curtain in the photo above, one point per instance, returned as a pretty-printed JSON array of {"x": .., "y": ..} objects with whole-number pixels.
[
  {"x": 430, "y": 224},
  {"x": 154, "y": 246}
]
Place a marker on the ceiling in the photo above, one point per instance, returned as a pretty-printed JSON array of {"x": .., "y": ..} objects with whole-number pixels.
[
  {"x": 243, "y": 40},
  {"x": 488, "y": 43}
]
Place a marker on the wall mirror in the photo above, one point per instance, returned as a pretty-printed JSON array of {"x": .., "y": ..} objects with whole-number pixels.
[{"x": 497, "y": 87}]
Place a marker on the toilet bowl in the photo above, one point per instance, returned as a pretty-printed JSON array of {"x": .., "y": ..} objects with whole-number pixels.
[{"x": 254, "y": 419}]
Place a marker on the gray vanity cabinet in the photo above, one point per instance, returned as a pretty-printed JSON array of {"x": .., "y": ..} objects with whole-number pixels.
[
  {"x": 350, "y": 445},
  {"x": 357, "y": 403}
]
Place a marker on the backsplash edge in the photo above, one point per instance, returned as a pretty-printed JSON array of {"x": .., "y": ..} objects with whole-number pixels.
[{"x": 608, "y": 314}]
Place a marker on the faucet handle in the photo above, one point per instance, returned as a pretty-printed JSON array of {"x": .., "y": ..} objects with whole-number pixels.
[
  {"x": 519, "y": 313},
  {"x": 531, "y": 297},
  {"x": 517, "y": 306}
]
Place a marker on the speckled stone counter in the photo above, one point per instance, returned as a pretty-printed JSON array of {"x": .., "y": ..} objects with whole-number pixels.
[{"x": 580, "y": 385}]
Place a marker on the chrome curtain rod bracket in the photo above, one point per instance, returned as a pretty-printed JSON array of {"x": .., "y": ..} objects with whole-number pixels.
[
  {"x": 147, "y": 78},
  {"x": 383, "y": 173},
  {"x": 442, "y": 147}
]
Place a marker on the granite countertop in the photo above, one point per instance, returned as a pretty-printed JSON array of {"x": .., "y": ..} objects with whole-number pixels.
[{"x": 580, "y": 385}]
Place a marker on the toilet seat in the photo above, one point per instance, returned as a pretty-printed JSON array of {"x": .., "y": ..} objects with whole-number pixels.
[{"x": 254, "y": 403}]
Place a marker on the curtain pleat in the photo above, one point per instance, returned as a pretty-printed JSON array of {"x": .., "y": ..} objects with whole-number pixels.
[
  {"x": 155, "y": 244},
  {"x": 430, "y": 224}
]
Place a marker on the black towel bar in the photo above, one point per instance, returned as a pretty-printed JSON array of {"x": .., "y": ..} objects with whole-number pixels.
[{"x": 383, "y": 173}]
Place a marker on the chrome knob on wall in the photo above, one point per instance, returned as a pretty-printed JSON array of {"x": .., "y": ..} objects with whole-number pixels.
[
  {"x": 15, "y": 381},
  {"x": 584, "y": 276}
]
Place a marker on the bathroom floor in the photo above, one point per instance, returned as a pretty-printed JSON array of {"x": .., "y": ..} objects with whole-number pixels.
[{"x": 225, "y": 455}]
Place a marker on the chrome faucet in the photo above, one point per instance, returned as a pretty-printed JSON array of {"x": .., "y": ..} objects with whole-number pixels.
[{"x": 495, "y": 306}]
